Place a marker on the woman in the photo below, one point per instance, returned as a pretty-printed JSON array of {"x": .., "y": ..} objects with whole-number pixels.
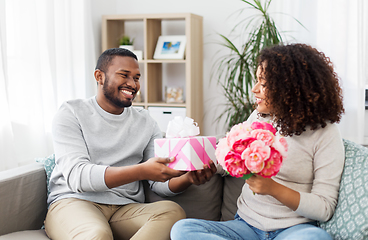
[{"x": 298, "y": 91}]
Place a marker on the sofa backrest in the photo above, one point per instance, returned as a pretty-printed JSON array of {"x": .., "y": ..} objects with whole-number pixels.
[{"x": 214, "y": 200}]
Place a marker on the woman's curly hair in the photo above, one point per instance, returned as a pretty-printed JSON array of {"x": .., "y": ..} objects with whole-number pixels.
[{"x": 302, "y": 88}]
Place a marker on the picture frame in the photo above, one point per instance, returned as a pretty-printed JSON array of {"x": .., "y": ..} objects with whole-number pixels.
[{"x": 170, "y": 47}]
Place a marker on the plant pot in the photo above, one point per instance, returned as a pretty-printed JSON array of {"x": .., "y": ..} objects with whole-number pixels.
[{"x": 129, "y": 47}]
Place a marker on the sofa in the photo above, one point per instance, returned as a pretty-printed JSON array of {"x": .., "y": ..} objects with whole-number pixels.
[{"x": 23, "y": 193}]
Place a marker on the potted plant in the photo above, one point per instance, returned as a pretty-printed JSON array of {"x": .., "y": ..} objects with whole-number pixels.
[
  {"x": 235, "y": 72},
  {"x": 126, "y": 42}
]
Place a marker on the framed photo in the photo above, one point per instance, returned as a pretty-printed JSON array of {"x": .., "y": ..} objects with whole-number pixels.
[{"x": 170, "y": 47}]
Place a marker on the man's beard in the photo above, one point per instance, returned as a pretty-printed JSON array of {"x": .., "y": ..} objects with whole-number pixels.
[{"x": 109, "y": 94}]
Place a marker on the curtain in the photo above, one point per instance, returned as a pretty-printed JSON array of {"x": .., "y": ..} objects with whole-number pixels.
[
  {"x": 6, "y": 136},
  {"x": 47, "y": 56},
  {"x": 339, "y": 28}
]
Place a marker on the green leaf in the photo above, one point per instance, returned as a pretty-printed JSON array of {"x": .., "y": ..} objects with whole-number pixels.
[
  {"x": 236, "y": 70},
  {"x": 247, "y": 176}
]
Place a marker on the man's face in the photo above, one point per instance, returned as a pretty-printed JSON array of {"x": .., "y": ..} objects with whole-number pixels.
[{"x": 120, "y": 85}]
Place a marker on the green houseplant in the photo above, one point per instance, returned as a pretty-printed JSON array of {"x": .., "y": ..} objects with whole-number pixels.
[
  {"x": 235, "y": 72},
  {"x": 126, "y": 42}
]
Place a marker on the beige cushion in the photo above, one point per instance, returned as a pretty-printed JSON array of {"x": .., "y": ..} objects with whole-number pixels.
[
  {"x": 26, "y": 235},
  {"x": 22, "y": 198},
  {"x": 202, "y": 201}
]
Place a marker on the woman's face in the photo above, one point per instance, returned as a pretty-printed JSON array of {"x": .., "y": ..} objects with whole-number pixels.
[{"x": 259, "y": 91}]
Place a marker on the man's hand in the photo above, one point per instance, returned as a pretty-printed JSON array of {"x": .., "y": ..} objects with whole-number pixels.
[{"x": 155, "y": 169}]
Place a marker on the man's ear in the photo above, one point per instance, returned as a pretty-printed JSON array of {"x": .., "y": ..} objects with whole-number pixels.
[{"x": 99, "y": 76}]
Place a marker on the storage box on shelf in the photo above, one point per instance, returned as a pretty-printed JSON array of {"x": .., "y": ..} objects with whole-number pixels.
[
  {"x": 154, "y": 78},
  {"x": 163, "y": 115}
]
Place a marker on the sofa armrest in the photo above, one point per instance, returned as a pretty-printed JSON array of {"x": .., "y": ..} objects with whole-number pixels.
[{"x": 23, "y": 196}]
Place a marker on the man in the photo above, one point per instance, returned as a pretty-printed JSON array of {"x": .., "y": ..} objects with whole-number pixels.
[{"x": 103, "y": 149}]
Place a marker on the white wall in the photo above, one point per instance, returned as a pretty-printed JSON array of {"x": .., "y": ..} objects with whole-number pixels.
[
  {"x": 99, "y": 8},
  {"x": 220, "y": 16},
  {"x": 216, "y": 19},
  {"x": 338, "y": 28}
]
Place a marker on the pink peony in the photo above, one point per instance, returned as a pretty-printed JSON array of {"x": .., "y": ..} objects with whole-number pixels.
[
  {"x": 272, "y": 165},
  {"x": 237, "y": 132},
  {"x": 252, "y": 148},
  {"x": 235, "y": 165},
  {"x": 281, "y": 145},
  {"x": 264, "y": 126},
  {"x": 264, "y": 135},
  {"x": 222, "y": 150},
  {"x": 256, "y": 155},
  {"x": 240, "y": 145},
  {"x": 284, "y": 143}
]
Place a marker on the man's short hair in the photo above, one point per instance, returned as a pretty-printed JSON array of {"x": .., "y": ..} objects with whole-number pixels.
[{"x": 106, "y": 57}]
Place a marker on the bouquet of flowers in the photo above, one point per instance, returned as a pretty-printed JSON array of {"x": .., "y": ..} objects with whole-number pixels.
[{"x": 251, "y": 149}]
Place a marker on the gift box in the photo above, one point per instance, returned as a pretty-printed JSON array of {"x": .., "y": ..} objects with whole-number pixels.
[{"x": 190, "y": 152}]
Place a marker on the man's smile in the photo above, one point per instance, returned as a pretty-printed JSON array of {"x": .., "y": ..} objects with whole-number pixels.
[{"x": 126, "y": 92}]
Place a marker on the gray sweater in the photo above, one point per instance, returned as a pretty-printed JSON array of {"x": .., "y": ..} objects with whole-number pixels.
[
  {"x": 313, "y": 167},
  {"x": 88, "y": 139}
]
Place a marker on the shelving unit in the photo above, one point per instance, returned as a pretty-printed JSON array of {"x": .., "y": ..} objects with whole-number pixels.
[{"x": 153, "y": 80}]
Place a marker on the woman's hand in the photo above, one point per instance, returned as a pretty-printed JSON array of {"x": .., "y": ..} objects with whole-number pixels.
[
  {"x": 260, "y": 185},
  {"x": 202, "y": 176},
  {"x": 197, "y": 177},
  {"x": 267, "y": 186}
]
